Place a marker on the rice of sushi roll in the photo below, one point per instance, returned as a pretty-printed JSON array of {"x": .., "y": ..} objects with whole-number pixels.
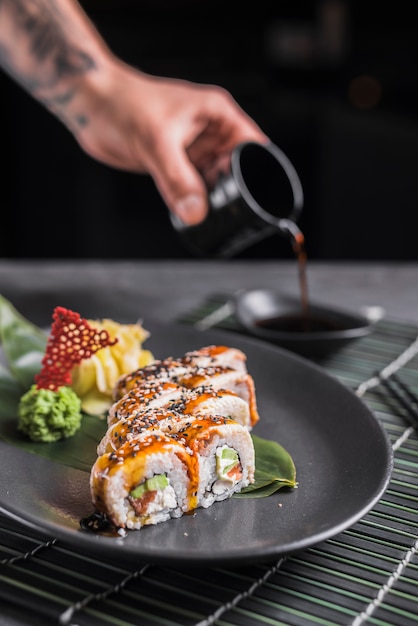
[
  {"x": 225, "y": 454},
  {"x": 148, "y": 480}
]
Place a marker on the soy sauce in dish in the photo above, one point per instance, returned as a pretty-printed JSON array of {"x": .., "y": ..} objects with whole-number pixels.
[{"x": 298, "y": 323}]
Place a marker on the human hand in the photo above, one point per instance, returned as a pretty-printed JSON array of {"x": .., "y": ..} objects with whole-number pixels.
[{"x": 180, "y": 133}]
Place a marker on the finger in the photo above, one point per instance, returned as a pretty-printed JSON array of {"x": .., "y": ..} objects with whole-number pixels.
[{"x": 180, "y": 185}]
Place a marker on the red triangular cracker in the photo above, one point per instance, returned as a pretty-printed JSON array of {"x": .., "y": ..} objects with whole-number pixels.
[{"x": 71, "y": 340}]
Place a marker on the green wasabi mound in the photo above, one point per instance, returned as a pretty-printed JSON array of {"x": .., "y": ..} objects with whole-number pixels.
[{"x": 45, "y": 415}]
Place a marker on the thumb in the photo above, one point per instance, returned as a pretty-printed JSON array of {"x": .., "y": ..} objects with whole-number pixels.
[
  {"x": 191, "y": 209},
  {"x": 181, "y": 186}
]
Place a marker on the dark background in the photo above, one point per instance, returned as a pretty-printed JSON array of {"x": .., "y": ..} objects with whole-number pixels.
[{"x": 332, "y": 82}]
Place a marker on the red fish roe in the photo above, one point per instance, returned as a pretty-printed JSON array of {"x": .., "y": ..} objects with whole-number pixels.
[{"x": 71, "y": 340}]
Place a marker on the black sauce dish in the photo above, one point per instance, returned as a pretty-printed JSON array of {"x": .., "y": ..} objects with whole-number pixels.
[{"x": 279, "y": 320}]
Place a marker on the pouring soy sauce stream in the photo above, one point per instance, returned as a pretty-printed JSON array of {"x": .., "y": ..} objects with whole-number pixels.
[
  {"x": 298, "y": 244},
  {"x": 303, "y": 320}
]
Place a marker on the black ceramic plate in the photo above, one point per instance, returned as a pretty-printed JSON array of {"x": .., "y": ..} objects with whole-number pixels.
[
  {"x": 342, "y": 456},
  {"x": 330, "y": 331}
]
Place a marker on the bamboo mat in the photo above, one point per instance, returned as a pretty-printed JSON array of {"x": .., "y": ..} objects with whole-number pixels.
[{"x": 366, "y": 575}]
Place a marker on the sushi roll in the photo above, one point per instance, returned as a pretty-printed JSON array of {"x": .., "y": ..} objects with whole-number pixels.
[
  {"x": 160, "y": 370},
  {"x": 205, "y": 400},
  {"x": 172, "y": 369},
  {"x": 200, "y": 401},
  {"x": 225, "y": 457},
  {"x": 178, "y": 438},
  {"x": 220, "y": 377},
  {"x": 149, "y": 395},
  {"x": 155, "y": 476},
  {"x": 148, "y": 480},
  {"x": 216, "y": 355},
  {"x": 164, "y": 420},
  {"x": 215, "y": 376}
]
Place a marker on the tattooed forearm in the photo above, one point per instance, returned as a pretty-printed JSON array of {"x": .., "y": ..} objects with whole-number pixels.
[{"x": 39, "y": 49}]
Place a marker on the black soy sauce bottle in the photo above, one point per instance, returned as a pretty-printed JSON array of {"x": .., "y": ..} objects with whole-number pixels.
[{"x": 260, "y": 196}]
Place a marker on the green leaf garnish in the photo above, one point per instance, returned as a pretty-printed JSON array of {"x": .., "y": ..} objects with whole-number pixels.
[
  {"x": 10, "y": 393},
  {"x": 274, "y": 469},
  {"x": 23, "y": 346}
]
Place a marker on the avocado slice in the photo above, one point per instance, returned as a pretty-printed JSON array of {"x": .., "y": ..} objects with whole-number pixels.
[
  {"x": 159, "y": 481},
  {"x": 226, "y": 459}
]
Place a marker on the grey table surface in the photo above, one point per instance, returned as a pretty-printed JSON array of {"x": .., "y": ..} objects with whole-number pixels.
[{"x": 164, "y": 290}]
